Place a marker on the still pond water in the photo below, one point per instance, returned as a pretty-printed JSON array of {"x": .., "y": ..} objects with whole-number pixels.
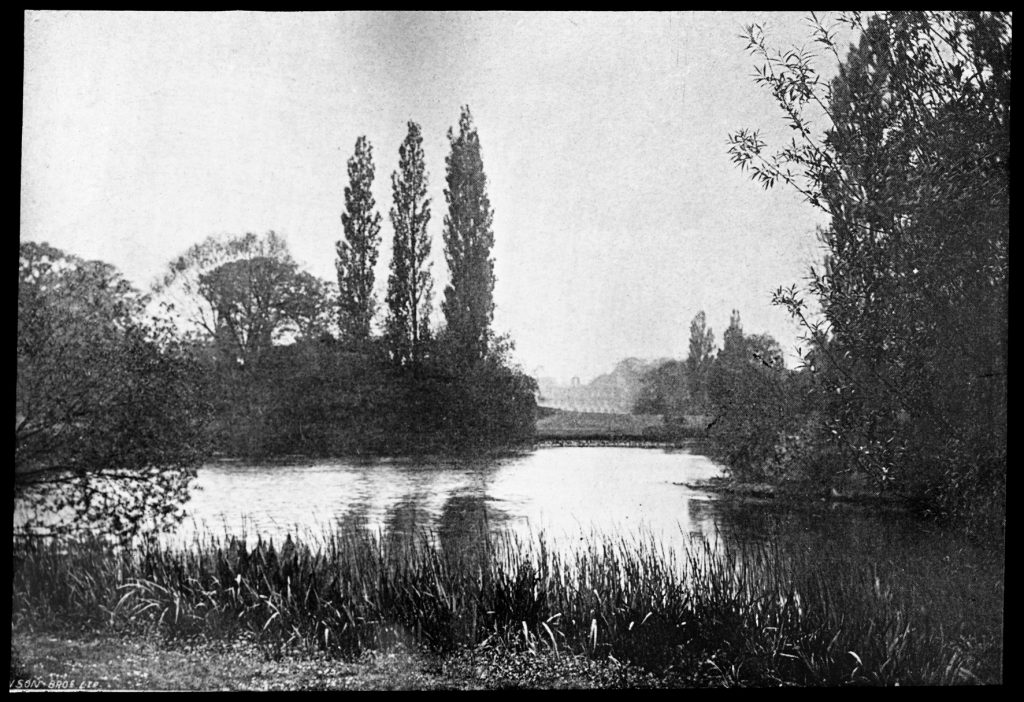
[
  {"x": 562, "y": 492},
  {"x": 568, "y": 494}
]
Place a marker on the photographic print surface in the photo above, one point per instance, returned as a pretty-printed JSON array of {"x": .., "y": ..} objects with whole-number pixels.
[{"x": 477, "y": 350}]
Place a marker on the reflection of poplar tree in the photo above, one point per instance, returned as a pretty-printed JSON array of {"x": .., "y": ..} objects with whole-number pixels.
[
  {"x": 357, "y": 252},
  {"x": 469, "y": 300},
  {"x": 409, "y": 285}
]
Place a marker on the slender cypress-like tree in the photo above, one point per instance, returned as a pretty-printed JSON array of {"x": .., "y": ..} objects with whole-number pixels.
[
  {"x": 357, "y": 252},
  {"x": 468, "y": 237},
  {"x": 698, "y": 363},
  {"x": 410, "y": 283},
  {"x": 732, "y": 339}
]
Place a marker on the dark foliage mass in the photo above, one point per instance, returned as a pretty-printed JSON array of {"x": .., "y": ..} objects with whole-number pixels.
[
  {"x": 747, "y": 391},
  {"x": 904, "y": 380},
  {"x": 315, "y": 397},
  {"x": 109, "y": 413},
  {"x": 244, "y": 294}
]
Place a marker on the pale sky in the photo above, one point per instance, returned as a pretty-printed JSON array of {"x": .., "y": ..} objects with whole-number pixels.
[{"x": 618, "y": 214}]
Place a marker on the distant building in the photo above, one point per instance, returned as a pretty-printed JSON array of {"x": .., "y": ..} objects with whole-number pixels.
[{"x": 611, "y": 393}]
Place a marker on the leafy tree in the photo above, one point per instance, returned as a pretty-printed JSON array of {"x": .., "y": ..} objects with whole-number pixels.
[
  {"x": 748, "y": 396},
  {"x": 727, "y": 373},
  {"x": 109, "y": 423},
  {"x": 246, "y": 293},
  {"x": 258, "y": 301},
  {"x": 409, "y": 284},
  {"x": 732, "y": 339},
  {"x": 357, "y": 252},
  {"x": 913, "y": 171},
  {"x": 468, "y": 237},
  {"x": 665, "y": 390},
  {"x": 698, "y": 362}
]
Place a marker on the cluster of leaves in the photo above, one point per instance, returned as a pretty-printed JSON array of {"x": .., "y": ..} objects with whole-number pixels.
[
  {"x": 751, "y": 402},
  {"x": 109, "y": 417},
  {"x": 412, "y": 389},
  {"x": 913, "y": 173}
]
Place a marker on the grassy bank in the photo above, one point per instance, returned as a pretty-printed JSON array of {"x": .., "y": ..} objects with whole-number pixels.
[
  {"x": 758, "y": 615},
  {"x": 563, "y": 425}
]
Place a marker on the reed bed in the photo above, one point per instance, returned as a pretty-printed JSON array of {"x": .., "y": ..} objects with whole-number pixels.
[{"x": 754, "y": 614}]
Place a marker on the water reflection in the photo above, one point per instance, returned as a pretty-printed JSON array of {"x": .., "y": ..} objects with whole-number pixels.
[
  {"x": 562, "y": 492},
  {"x": 466, "y": 522},
  {"x": 568, "y": 494}
]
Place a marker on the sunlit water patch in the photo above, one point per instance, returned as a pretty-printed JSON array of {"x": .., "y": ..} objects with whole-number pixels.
[{"x": 565, "y": 493}]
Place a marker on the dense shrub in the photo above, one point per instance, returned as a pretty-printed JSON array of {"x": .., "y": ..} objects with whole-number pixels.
[{"x": 321, "y": 398}]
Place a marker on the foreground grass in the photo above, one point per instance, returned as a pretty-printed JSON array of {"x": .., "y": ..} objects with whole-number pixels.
[
  {"x": 59, "y": 661},
  {"x": 497, "y": 612}
]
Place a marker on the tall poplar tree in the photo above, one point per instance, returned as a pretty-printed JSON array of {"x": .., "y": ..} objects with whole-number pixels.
[
  {"x": 357, "y": 252},
  {"x": 409, "y": 284},
  {"x": 732, "y": 339},
  {"x": 698, "y": 363},
  {"x": 468, "y": 238}
]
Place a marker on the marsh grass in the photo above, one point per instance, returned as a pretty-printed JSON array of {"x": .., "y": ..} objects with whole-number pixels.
[{"x": 747, "y": 614}]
